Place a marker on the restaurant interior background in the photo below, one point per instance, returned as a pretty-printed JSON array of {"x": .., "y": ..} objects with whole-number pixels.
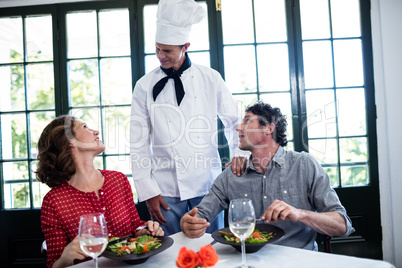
[{"x": 20, "y": 233}]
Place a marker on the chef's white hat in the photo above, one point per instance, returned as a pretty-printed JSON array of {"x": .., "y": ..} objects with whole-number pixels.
[{"x": 174, "y": 20}]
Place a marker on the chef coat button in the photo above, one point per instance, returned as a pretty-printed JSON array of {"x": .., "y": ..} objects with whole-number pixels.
[
  {"x": 245, "y": 195},
  {"x": 285, "y": 192},
  {"x": 264, "y": 177},
  {"x": 265, "y": 197}
]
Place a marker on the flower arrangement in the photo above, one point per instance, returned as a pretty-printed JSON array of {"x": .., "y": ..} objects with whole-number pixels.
[{"x": 205, "y": 257}]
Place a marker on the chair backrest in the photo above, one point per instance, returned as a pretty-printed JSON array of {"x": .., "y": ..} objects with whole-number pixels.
[
  {"x": 327, "y": 243},
  {"x": 43, "y": 248}
]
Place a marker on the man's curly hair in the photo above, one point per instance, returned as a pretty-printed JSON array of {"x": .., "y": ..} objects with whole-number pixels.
[
  {"x": 55, "y": 164},
  {"x": 266, "y": 115}
]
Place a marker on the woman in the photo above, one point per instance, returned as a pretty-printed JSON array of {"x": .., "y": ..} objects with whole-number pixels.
[{"x": 67, "y": 148}]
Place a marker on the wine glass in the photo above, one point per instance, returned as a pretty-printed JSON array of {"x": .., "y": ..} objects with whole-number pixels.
[
  {"x": 92, "y": 235},
  {"x": 242, "y": 223}
]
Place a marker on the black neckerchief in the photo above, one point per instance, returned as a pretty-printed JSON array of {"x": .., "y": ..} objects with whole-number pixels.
[{"x": 178, "y": 85}]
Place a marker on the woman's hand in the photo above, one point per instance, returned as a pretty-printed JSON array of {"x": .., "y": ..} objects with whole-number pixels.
[
  {"x": 153, "y": 229},
  {"x": 70, "y": 253}
]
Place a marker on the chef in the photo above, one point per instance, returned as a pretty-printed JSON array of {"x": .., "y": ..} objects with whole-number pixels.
[{"x": 174, "y": 116}]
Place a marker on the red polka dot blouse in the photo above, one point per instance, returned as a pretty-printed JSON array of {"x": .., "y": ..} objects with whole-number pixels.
[{"x": 64, "y": 204}]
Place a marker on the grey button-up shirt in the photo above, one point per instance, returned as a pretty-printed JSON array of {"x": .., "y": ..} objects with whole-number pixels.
[{"x": 293, "y": 177}]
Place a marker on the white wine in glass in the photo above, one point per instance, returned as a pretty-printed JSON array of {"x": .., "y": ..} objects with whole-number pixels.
[
  {"x": 92, "y": 235},
  {"x": 242, "y": 223}
]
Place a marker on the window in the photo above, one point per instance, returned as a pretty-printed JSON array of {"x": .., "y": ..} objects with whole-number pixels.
[
  {"x": 307, "y": 57},
  {"x": 256, "y": 54},
  {"x": 99, "y": 78},
  {"x": 90, "y": 77},
  {"x": 27, "y": 103},
  {"x": 335, "y": 90},
  {"x": 258, "y": 65}
]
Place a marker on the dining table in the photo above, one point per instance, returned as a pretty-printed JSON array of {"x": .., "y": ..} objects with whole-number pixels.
[{"x": 271, "y": 255}]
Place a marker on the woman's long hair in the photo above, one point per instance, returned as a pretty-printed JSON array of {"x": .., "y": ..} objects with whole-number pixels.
[{"x": 55, "y": 163}]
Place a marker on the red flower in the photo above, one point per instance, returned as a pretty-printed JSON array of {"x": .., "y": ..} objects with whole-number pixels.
[
  {"x": 187, "y": 258},
  {"x": 208, "y": 256}
]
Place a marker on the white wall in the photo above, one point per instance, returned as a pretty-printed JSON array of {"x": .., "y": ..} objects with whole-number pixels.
[{"x": 386, "y": 16}]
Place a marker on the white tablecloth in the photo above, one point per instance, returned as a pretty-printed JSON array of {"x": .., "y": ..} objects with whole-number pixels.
[{"x": 270, "y": 255}]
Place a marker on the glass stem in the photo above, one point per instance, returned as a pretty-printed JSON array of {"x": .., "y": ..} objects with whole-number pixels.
[
  {"x": 243, "y": 253},
  {"x": 95, "y": 262}
]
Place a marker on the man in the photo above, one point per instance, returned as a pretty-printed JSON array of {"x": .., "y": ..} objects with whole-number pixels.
[
  {"x": 288, "y": 189},
  {"x": 174, "y": 117}
]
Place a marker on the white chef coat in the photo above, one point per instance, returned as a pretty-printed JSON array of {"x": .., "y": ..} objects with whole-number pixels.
[{"x": 174, "y": 149}]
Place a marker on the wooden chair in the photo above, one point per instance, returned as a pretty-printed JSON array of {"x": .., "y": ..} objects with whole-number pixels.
[
  {"x": 324, "y": 243},
  {"x": 43, "y": 248}
]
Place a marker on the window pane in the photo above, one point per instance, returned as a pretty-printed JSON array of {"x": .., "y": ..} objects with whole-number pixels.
[
  {"x": 314, "y": 19},
  {"x": 39, "y": 191},
  {"x": 117, "y": 129},
  {"x": 348, "y": 63},
  {"x": 81, "y": 35},
  {"x": 13, "y": 130},
  {"x": 90, "y": 116},
  {"x": 40, "y": 86},
  {"x": 317, "y": 64},
  {"x": 11, "y": 44},
  {"x": 15, "y": 170},
  {"x": 201, "y": 58},
  {"x": 199, "y": 37},
  {"x": 353, "y": 150},
  {"x": 12, "y": 88},
  {"x": 245, "y": 100},
  {"x": 152, "y": 62},
  {"x": 16, "y": 195},
  {"x": 354, "y": 175},
  {"x": 39, "y": 38},
  {"x": 345, "y": 16},
  {"x": 321, "y": 117},
  {"x": 324, "y": 150},
  {"x": 333, "y": 175},
  {"x": 98, "y": 163},
  {"x": 38, "y": 121},
  {"x": 273, "y": 67},
  {"x": 114, "y": 27},
  {"x": 290, "y": 146},
  {"x": 120, "y": 163},
  {"x": 283, "y": 102},
  {"x": 237, "y": 21},
  {"x": 150, "y": 27},
  {"x": 135, "y": 195},
  {"x": 351, "y": 102},
  {"x": 270, "y": 20},
  {"x": 83, "y": 82},
  {"x": 116, "y": 80},
  {"x": 240, "y": 79}
]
